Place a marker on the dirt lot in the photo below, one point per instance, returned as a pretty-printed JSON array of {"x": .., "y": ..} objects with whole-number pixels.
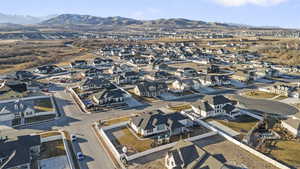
[
  {"x": 231, "y": 154},
  {"x": 286, "y": 151}
]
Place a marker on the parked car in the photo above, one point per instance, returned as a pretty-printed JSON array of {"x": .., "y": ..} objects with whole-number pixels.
[
  {"x": 80, "y": 156},
  {"x": 73, "y": 137}
]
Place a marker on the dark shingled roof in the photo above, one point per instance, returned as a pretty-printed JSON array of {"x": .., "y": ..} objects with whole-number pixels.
[
  {"x": 150, "y": 120},
  {"x": 218, "y": 99},
  {"x": 21, "y": 147},
  {"x": 189, "y": 156}
]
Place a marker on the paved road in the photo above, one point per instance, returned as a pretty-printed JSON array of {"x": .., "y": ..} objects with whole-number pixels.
[
  {"x": 79, "y": 123},
  {"x": 266, "y": 106}
]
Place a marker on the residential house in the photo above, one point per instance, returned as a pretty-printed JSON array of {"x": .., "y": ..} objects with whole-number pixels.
[
  {"x": 187, "y": 72},
  {"x": 150, "y": 89},
  {"x": 48, "y": 69},
  {"x": 20, "y": 109},
  {"x": 244, "y": 76},
  {"x": 94, "y": 83},
  {"x": 80, "y": 64},
  {"x": 23, "y": 75},
  {"x": 93, "y": 72},
  {"x": 215, "y": 105},
  {"x": 118, "y": 69},
  {"x": 285, "y": 90},
  {"x": 127, "y": 78},
  {"x": 182, "y": 85},
  {"x": 109, "y": 97},
  {"x": 140, "y": 60},
  {"x": 18, "y": 153},
  {"x": 214, "y": 80},
  {"x": 187, "y": 155},
  {"x": 102, "y": 62},
  {"x": 157, "y": 122},
  {"x": 159, "y": 76},
  {"x": 14, "y": 85}
]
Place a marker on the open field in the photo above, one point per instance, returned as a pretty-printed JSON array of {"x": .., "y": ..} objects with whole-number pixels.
[
  {"x": 259, "y": 94},
  {"x": 18, "y": 55},
  {"x": 286, "y": 151}
]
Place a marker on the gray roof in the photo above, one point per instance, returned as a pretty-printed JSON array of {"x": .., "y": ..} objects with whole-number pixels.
[
  {"x": 188, "y": 155},
  {"x": 109, "y": 93},
  {"x": 16, "y": 107},
  {"x": 152, "y": 119},
  {"x": 21, "y": 147},
  {"x": 150, "y": 86},
  {"x": 218, "y": 99},
  {"x": 203, "y": 106}
]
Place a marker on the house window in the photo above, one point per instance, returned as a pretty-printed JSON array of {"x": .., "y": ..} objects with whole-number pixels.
[
  {"x": 160, "y": 127},
  {"x": 149, "y": 130}
]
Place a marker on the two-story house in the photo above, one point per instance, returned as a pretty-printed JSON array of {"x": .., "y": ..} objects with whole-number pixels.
[
  {"x": 150, "y": 89},
  {"x": 215, "y": 105},
  {"x": 157, "y": 122}
]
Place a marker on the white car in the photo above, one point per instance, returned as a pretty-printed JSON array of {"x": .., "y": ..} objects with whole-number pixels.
[
  {"x": 80, "y": 156},
  {"x": 73, "y": 137}
]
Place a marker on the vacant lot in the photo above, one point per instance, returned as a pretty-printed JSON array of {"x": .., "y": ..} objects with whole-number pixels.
[
  {"x": 242, "y": 124},
  {"x": 52, "y": 149},
  {"x": 43, "y": 105},
  {"x": 260, "y": 94},
  {"x": 287, "y": 152}
]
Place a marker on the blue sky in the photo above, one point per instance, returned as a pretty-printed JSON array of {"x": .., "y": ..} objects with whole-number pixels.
[{"x": 284, "y": 13}]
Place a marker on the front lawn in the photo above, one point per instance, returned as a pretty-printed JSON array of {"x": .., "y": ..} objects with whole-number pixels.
[
  {"x": 124, "y": 137},
  {"x": 52, "y": 149}
]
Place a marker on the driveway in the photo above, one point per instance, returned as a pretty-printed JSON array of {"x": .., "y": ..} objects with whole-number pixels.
[{"x": 266, "y": 106}]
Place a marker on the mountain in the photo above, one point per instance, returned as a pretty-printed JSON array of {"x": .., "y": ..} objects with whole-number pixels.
[
  {"x": 74, "y": 19},
  {"x": 84, "y": 20},
  {"x": 22, "y": 19}
]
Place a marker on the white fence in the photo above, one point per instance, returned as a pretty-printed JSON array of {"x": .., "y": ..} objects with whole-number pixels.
[
  {"x": 247, "y": 148},
  {"x": 78, "y": 100},
  {"x": 167, "y": 146},
  {"x": 51, "y": 138},
  {"x": 251, "y": 114},
  {"x": 147, "y": 152}
]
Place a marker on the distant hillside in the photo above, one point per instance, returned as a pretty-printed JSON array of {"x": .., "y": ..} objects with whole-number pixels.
[
  {"x": 22, "y": 19},
  {"x": 74, "y": 19}
]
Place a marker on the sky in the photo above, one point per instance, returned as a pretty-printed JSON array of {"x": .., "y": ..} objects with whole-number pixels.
[{"x": 283, "y": 13}]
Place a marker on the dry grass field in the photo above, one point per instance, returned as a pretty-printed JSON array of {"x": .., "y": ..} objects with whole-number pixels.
[{"x": 18, "y": 55}]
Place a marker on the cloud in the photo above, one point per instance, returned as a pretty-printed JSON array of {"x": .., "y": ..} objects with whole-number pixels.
[{"x": 253, "y": 2}]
